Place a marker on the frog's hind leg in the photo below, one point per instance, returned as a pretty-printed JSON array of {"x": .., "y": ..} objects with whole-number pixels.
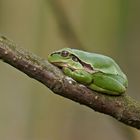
[{"x": 107, "y": 84}]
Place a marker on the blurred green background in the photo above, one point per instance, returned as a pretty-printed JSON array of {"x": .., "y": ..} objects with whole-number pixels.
[{"x": 29, "y": 110}]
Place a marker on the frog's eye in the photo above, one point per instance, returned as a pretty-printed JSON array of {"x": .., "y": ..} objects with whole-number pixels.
[
  {"x": 75, "y": 59},
  {"x": 64, "y": 53}
]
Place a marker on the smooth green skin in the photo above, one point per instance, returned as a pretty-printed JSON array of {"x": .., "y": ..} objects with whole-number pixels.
[{"x": 96, "y": 71}]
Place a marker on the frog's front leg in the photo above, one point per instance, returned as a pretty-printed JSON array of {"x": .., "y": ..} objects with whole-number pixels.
[{"x": 78, "y": 75}]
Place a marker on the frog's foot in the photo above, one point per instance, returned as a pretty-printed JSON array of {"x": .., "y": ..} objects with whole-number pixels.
[{"x": 99, "y": 89}]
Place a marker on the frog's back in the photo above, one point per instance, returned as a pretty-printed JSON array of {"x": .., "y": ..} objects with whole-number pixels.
[{"x": 99, "y": 62}]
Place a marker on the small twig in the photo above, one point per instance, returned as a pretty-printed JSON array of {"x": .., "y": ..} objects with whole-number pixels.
[
  {"x": 123, "y": 108},
  {"x": 64, "y": 25}
]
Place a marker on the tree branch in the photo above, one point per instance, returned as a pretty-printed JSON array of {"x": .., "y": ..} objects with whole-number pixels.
[{"x": 123, "y": 108}]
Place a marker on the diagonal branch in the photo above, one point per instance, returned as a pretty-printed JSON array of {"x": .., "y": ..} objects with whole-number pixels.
[
  {"x": 123, "y": 108},
  {"x": 64, "y": 25}
]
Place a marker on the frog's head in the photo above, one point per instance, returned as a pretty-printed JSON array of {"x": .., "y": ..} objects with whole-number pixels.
[
  {"x": 65, "y": 58},
  {"x": 68, "y": 58}
]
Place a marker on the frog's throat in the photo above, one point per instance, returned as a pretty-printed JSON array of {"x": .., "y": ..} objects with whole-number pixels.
[
  {"x": 63, "y": 65},
  {"x": 59, "y": 64}
]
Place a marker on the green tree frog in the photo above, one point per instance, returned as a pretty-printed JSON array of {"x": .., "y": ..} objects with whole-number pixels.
[{"x": 97, "y": 72}]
